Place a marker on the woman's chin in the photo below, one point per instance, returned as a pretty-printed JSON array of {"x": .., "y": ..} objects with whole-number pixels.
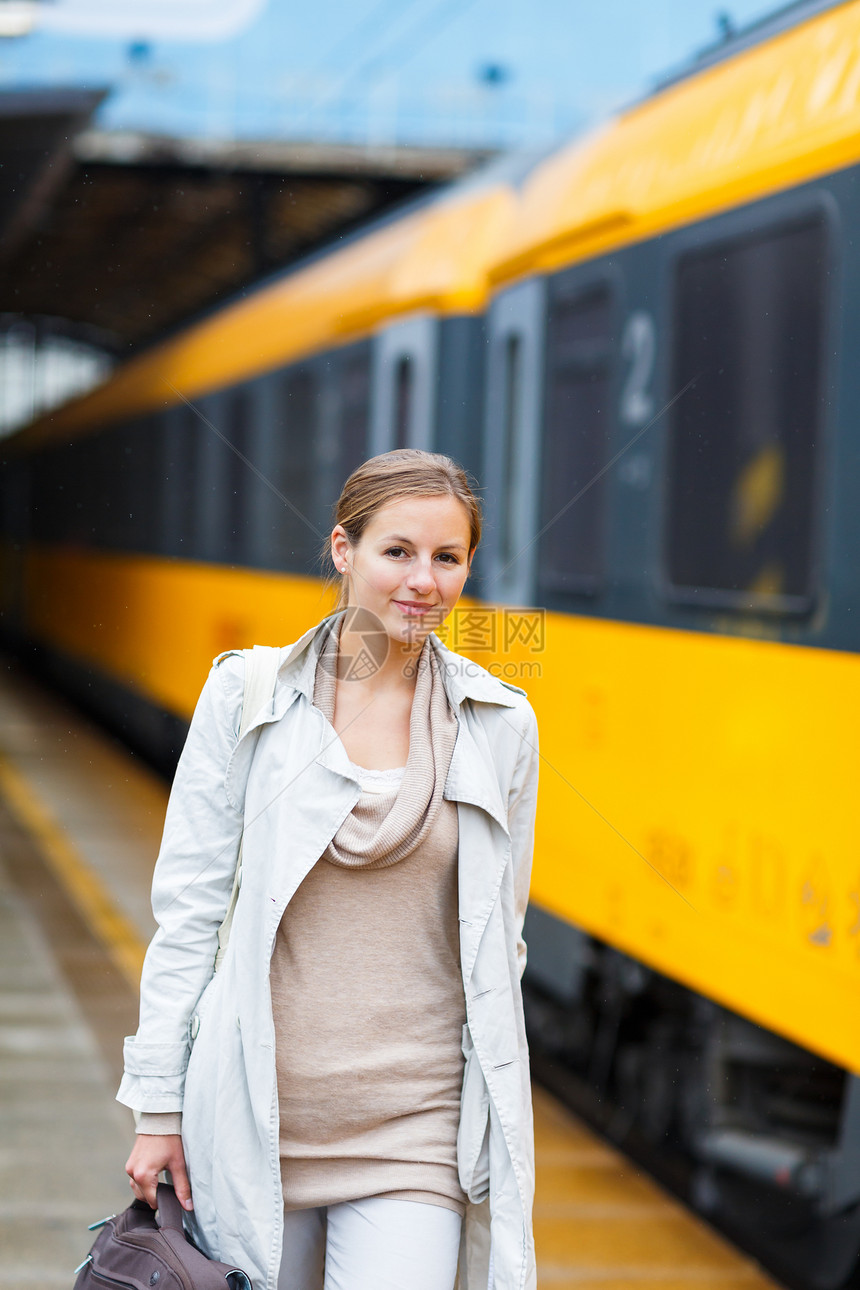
[{"x": 407, "y": 630}]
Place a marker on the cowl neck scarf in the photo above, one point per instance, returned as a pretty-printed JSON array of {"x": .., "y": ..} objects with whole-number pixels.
[{"x": 385, "y": 827}]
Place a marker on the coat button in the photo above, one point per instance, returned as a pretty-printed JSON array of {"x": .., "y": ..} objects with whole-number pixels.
[{"x": 194, "y": 1026}]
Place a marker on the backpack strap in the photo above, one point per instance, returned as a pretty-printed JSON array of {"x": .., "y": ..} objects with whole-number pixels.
[{"x": 261, "y": 670}]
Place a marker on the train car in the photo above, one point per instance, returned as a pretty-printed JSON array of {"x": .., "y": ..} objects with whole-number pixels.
[
  {"x": 675, "y": 316},
  {"x": 643, "y": 348}
]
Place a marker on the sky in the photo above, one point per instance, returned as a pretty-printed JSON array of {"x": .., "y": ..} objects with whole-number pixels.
[{"x": 475, "y": 72}]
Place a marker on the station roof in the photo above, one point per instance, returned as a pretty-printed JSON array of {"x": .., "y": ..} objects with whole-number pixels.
[
  {"x": 36, "y": 130},
  {"x": 435, "y": 257},
  {"x": 128, "y": 236}
]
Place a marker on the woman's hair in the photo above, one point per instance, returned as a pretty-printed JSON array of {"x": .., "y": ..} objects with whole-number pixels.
[{"x": 404, "y": 472}]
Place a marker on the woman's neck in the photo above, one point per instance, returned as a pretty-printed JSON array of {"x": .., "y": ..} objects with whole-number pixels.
[{"x": 359, "y": 663}]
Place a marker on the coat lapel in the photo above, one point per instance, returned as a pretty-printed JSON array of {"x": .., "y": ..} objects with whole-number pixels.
[{"x": 470, "y": 776}]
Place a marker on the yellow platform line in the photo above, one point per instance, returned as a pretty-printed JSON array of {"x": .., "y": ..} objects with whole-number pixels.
[{"x": 110, "y": 925}]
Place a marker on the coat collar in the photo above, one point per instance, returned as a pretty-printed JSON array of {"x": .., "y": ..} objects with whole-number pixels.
[
  {"x": 470, "y": 775},
  {"x": 462, "y": 678}
]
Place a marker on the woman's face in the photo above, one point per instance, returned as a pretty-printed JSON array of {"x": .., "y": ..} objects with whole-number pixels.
[{"x": 410, "y": 566}]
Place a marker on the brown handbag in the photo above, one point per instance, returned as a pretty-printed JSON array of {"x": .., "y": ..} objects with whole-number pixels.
[{"x": 141, "y": 1247}]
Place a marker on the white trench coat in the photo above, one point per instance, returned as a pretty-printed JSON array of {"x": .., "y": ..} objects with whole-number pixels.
[{"x": 206, "y": 1042}]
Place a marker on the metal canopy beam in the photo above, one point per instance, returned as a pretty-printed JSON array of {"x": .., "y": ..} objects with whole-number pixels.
[{"x": 37, "y": 128}]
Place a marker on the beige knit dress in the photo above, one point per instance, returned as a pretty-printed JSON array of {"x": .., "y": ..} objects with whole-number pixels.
[{"x": 367, "y": 993}]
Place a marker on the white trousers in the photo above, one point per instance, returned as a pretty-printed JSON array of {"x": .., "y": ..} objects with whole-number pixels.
[{"x": 372, "y": 1244}]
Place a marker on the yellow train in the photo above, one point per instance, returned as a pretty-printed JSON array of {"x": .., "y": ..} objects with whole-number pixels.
[{"x": 644, "y": 347}]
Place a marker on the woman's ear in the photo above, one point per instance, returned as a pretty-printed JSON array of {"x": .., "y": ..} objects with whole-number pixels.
[{"x": 339, "y": 548}]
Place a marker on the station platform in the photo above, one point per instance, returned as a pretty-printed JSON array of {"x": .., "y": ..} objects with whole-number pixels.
[{"x": 80, "y": 822}]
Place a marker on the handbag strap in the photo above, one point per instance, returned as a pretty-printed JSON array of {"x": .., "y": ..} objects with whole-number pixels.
[
  {"x": 196, "y": 1268},
  {"x": 261, "y": 670},
  {"x": 169, "y": 1209}
]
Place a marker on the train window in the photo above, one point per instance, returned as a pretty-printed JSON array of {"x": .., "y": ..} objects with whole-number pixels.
[
  {"x": 161, "y": 539},
  {"x": 102, "y": 467},
  {"x": 138, "y": 446},
  {"x": 17, "y": 504},
  {"x": 354, "y": 412},
  {"x": 118, "y": 465},
  {"x": 513, "y": 361},
  {"x": 239, "y": 477},
  {"x": 182, "y": 445},
  {"x": 67, "y": 479},
  {"x": 576, "y": 432},
  {"x": 47, "y": 496},
  {"x": 461, "y": 360},
  {"x": 403, "y": 383},
  {"x": 298, "y": 432},
  {"x": 749, "y": 324}
]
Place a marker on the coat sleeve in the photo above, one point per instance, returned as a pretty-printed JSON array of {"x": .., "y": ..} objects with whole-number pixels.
[
  {"x": 522, "y": 806},
  {"x": 191, "y": 889}
]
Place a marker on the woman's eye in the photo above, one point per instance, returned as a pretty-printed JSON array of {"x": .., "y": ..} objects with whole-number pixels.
[{"x": 444, "y": 555}]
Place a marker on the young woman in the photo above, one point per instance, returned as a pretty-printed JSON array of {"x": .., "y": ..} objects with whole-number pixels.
[{"x": 353, "y": 1082}]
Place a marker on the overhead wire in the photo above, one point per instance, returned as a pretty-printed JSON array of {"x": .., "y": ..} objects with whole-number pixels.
[
  {"x": 348, "y": 42},
  {"x": 449, "y": 10},
  {"x": 399, "y": 50},
  {"x": 366, "y": 31}
]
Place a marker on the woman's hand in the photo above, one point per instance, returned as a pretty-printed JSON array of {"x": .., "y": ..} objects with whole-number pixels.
[{"x": 151, "y": 1153}]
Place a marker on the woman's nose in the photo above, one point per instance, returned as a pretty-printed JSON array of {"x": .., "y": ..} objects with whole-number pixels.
[{"x": 420, "y": 579}]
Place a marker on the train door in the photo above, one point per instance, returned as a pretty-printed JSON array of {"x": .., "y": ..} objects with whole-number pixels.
[
  {"x": 512, "y": 441},
  {"x": 403, "y": 387}
]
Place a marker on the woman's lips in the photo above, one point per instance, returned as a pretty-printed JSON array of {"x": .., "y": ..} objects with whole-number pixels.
[{"x": 413, "y": 610}]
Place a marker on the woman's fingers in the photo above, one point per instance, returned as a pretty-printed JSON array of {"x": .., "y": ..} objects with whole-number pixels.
[
  {"x": 179, "y": 1178},
  {"x": 152, "y": 1153},
  {"x": 144, "y": 1183}
]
